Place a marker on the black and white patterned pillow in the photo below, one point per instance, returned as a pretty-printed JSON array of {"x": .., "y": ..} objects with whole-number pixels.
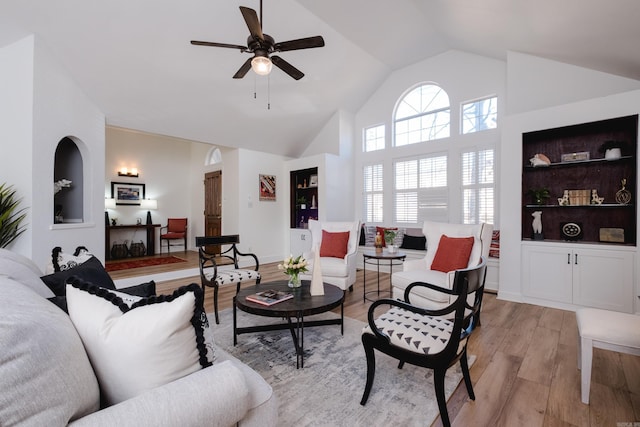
[{"x": 61, "y": 261}]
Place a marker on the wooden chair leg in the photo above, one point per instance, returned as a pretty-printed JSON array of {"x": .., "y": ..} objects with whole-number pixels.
[
  {"x": 464, "y": 364},
  {"x": 215, "y": 304},
  {"x": 438, "y": 381},
  {"x": 371, "y": 370}
]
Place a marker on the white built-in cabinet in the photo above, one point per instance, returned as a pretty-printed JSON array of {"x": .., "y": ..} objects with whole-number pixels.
[
  {"x": 582, "y": 275},
  {"x": 300, "y": 241}
]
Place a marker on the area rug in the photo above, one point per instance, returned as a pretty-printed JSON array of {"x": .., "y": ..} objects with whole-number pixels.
[
  {"x": 327, "y": 391},
  {"x": 137, "y": 263}
]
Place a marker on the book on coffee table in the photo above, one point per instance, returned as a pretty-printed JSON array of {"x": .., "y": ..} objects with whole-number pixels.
[{"x": 269, "y": 297}]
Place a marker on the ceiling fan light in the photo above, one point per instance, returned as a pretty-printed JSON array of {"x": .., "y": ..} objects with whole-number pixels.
[{"x": 261, "y": 65}]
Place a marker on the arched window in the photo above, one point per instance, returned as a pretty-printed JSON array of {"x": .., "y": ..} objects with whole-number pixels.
[
  {"x": 68, "y": 183},
  {"x": 214, "y": 156},
  {"x": 423, "y": 114}
]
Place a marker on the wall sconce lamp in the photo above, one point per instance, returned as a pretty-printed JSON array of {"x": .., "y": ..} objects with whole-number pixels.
[
  {"x": 133, "y": 173},
  {"x": 150, "y": 204}
]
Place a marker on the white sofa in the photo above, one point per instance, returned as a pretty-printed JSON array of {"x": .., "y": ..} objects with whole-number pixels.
[
  {"x": 419, "y": 270},
  {"x": 46, "y": 377},
  {"x": 340, "y": 272}
]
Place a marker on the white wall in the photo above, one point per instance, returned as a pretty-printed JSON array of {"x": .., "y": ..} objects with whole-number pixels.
[
  {"x": 570, "y": 113},
  {"x": 336, "y": 139},
  {"x": 16, "y": 128},
  {"x": 43, "y": 106},
  {"x": 535, "y": 83},
  {"x": 261, "y": 222}
]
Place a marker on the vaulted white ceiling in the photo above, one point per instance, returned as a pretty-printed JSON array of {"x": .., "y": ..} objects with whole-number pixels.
[{"x": 134, "y": 59}]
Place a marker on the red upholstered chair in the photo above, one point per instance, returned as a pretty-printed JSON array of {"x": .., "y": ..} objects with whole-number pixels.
[{"x": 176, "y": 229}]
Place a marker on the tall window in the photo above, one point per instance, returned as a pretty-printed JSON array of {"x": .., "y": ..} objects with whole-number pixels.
[
  {"x": 374, "y": 138},
  {"x": 373, "y": 193},
  {"x": 422, "y": 115},
  {"x": 480, "y": 115},
  {"x": 478, "y": 184},
  {"x": 421, "y": 189}
]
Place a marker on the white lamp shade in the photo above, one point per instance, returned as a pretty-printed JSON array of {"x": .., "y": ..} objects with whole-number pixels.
[
  {"x": 109, "y": 203},
  {"x": 149, "y": 204},
  {"x": 261, "y": 65}
]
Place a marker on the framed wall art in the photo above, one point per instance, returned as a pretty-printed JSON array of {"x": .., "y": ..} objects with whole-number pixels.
[
  {"x": 127, "y": 193},
  {"x": 267, "y": 187}
]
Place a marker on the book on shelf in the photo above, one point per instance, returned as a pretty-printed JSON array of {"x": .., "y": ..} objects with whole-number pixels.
[{"x": 269, "y": 297}]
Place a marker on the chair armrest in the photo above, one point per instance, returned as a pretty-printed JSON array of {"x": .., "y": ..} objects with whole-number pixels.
[
  {"x": 165, "y": 227},
  {"x": 248, "y": 254},
  {"x": 205, "y": 261},
  {"x": 407, "y": 291},
  {"x": 215, "y": 396}
]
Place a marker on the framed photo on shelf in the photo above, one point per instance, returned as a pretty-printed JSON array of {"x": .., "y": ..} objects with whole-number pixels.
[
  {"x": 127, "y": 193},
  {"x": 267, "y": 185},
  {"x": 313, "y": 181}
]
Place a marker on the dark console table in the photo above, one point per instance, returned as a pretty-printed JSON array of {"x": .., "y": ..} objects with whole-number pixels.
[{"x": 151, "y": 236}]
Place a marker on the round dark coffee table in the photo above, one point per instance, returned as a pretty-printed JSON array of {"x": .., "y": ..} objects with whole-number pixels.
[{"x": 294, "y": 310}]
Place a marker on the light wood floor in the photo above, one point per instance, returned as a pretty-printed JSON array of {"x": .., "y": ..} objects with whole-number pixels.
[{"x": 525, "y": 372}]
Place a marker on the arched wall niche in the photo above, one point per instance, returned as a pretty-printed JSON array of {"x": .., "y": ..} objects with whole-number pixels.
[{"x": 68, "y": 197}]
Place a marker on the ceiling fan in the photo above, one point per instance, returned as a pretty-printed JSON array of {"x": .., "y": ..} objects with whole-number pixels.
[{"x": 263, "y": 46}]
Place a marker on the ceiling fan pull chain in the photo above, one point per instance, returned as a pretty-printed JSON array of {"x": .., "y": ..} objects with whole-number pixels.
[
  {"x": 255, "y": 87},
  {"x": 268, "y": 92}
]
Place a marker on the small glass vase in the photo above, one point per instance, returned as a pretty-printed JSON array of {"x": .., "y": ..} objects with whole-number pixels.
[{"x": 294, "y": 281}]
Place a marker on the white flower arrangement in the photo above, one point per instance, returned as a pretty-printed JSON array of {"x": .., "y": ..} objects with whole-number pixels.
[{"x": 293, "y": 266}]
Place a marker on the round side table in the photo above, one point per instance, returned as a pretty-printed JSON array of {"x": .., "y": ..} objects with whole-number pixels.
[{"x": 374, "y": 258}]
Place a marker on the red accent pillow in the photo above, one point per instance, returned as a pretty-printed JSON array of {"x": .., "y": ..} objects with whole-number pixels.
[
  {"x": 334, "y": 244},
  {"x": 381, "y": 231},
  {"x": 452, "y": 254}
]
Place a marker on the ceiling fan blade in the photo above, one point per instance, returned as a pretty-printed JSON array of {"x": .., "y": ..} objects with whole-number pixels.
[
  {"x": 251, "y": 18},
  {"x": 243, "y": 70},
  {"x": 287, "y": 68},
  {"x": 306, "y": 43},
  {"x": 213, "y": 44}
]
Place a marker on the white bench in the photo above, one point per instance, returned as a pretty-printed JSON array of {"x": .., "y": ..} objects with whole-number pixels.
[{"x": 609, "y": 330}]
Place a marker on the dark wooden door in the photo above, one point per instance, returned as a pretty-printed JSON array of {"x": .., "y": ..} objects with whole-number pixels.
[{"x": 213, "y": 207}]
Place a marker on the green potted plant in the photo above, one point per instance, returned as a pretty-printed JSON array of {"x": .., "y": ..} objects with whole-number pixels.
[
  {"x": 10, "y": 216},
  {"x": 389, "y": 237},
  {"x": 540, "y": 195},
  {"x": 302, "y": 202}
]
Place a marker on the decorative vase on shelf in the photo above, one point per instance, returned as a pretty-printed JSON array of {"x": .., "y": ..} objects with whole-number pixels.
[{"x": 294, "y": 281}]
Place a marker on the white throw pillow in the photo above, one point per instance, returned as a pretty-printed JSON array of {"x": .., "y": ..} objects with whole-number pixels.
[{"x": 135, "y": 348}]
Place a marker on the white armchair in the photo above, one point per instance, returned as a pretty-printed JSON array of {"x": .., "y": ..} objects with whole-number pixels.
[
  {"x": 340, "y": 272},
  {"x": 419, "y": 270}
]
